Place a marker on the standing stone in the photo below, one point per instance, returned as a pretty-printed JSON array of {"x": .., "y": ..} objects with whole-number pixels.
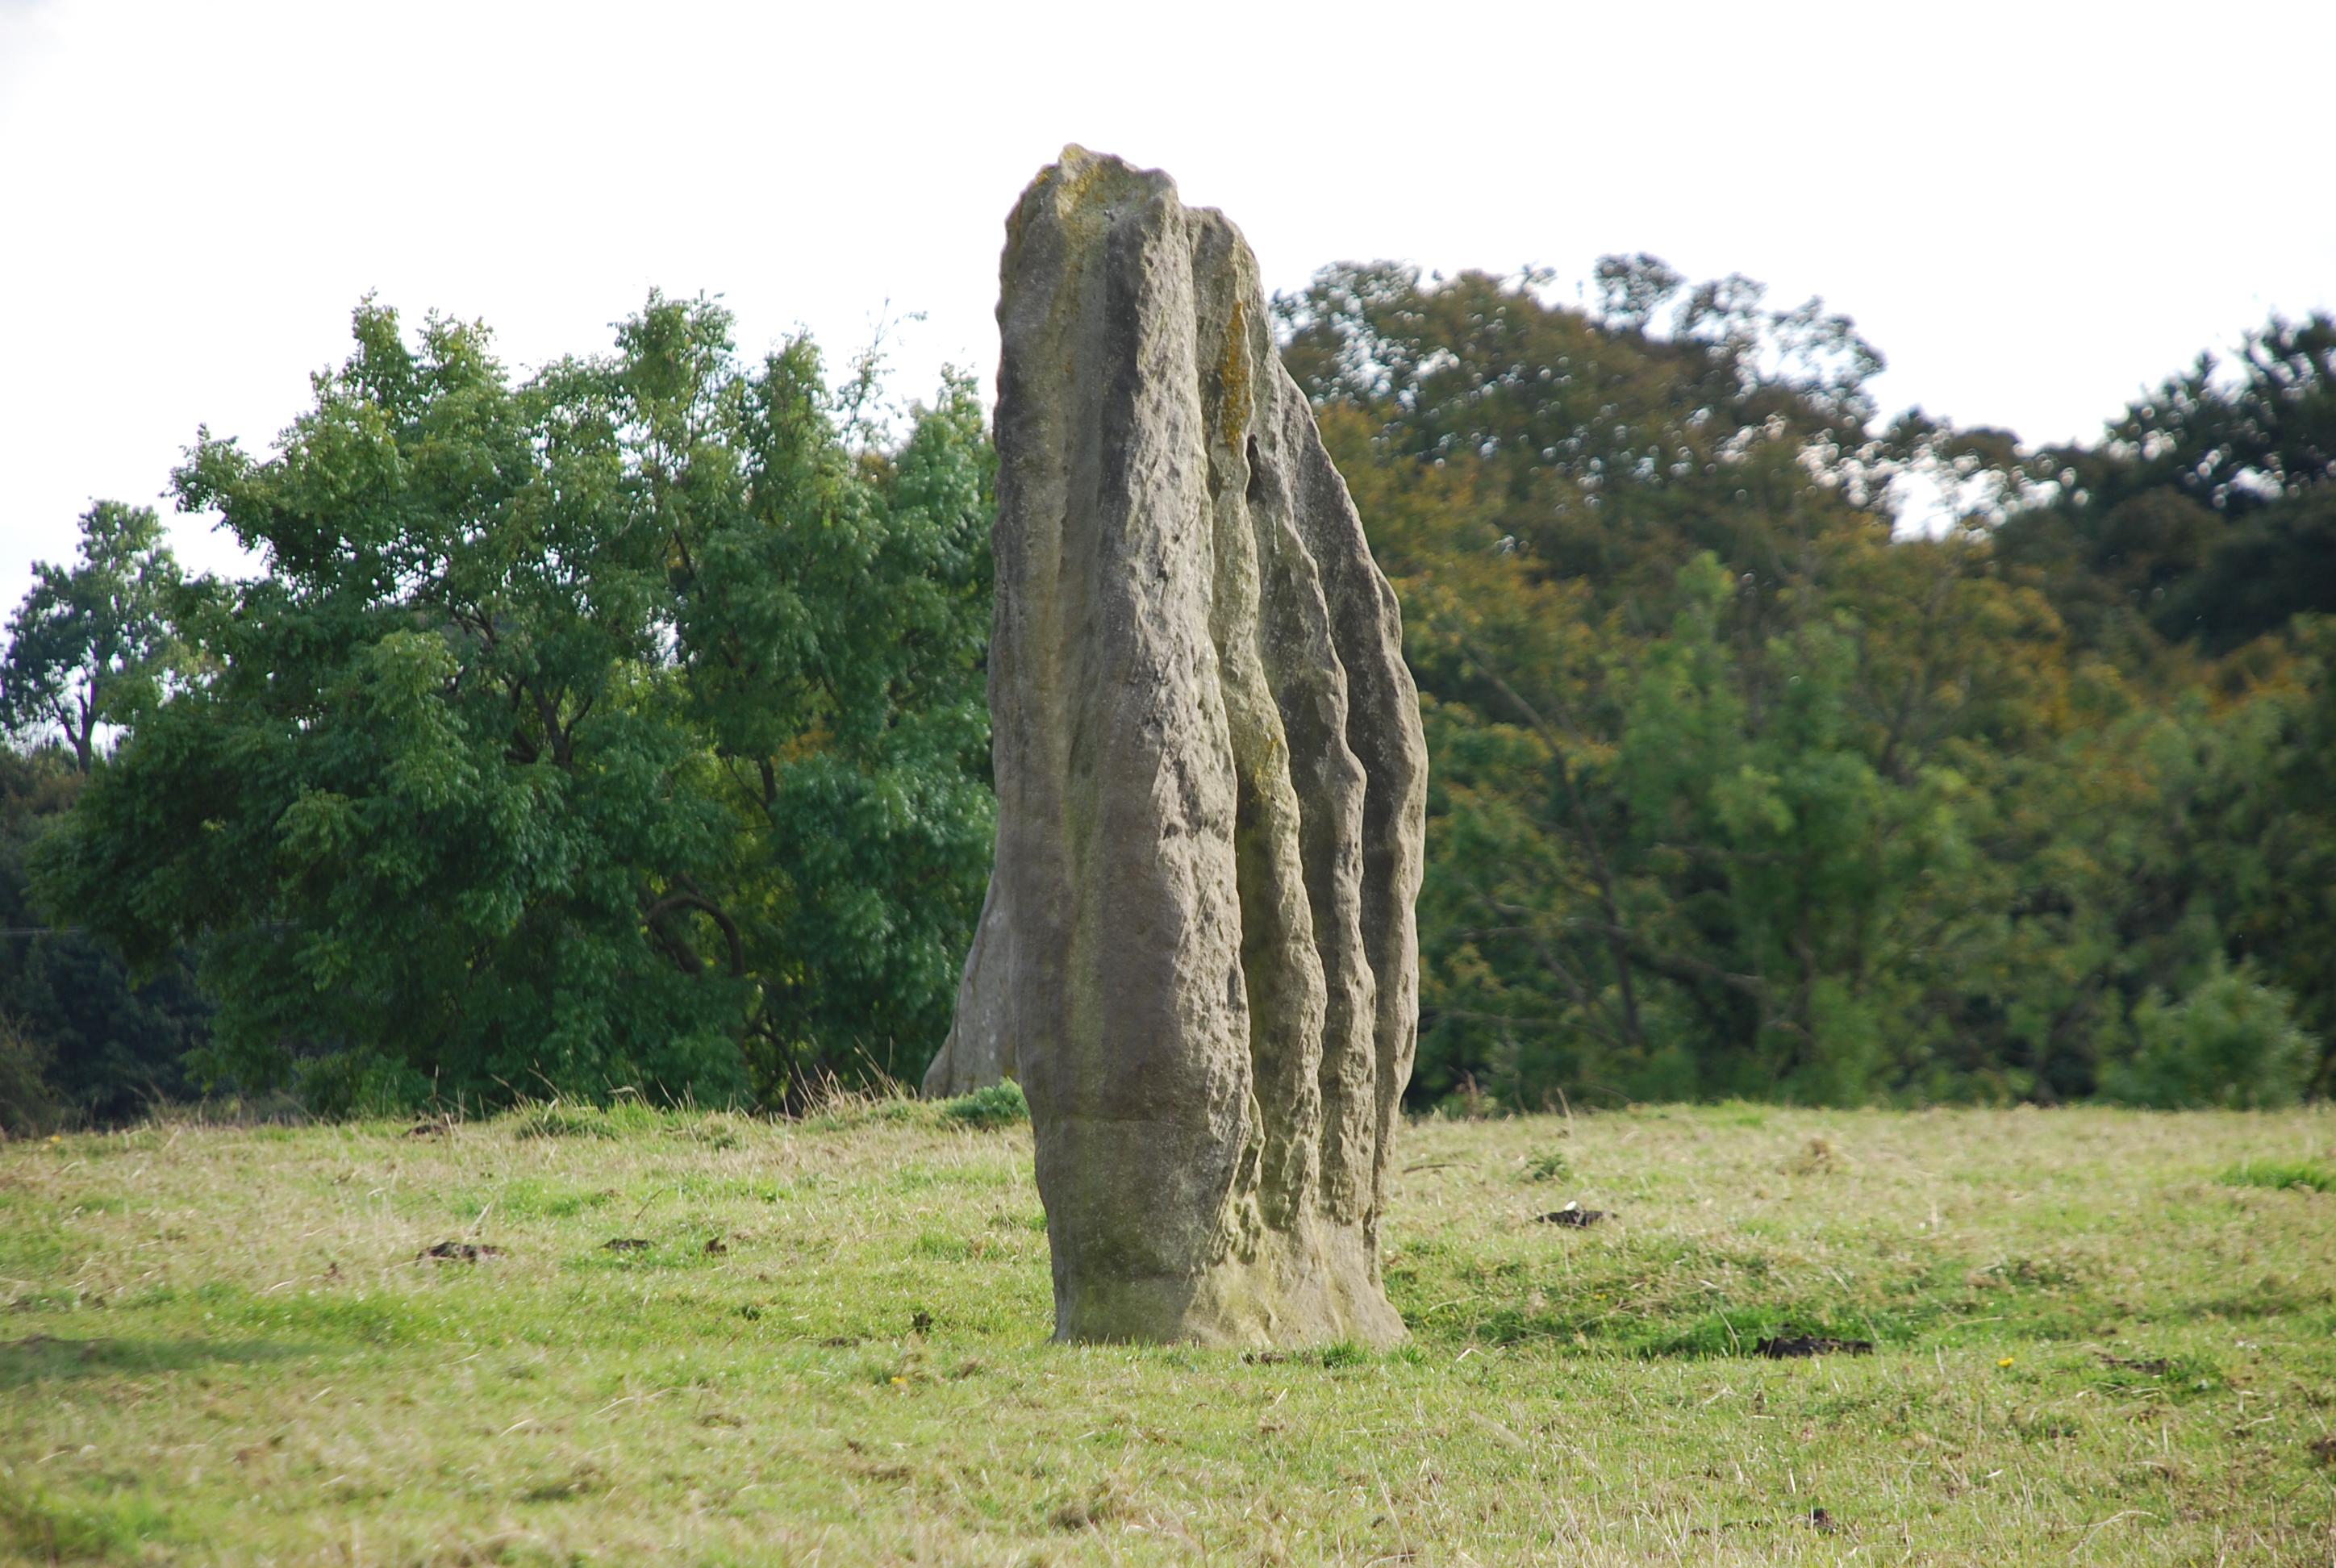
[{"x": 1198, "y": 952}]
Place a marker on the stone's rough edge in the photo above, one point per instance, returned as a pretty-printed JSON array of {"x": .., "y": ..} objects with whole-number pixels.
[
  {"x": 1210, "y": 764},
  {"x": 980, "y": 1050}
]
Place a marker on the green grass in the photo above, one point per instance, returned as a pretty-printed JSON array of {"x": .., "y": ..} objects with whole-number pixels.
[
  {"x": 2308, "y": 1175},
  {"x": 2100, "y": 1337}
]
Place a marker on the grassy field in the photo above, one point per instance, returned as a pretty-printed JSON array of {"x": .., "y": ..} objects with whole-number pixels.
[{"x": 2100, "y": 1337}]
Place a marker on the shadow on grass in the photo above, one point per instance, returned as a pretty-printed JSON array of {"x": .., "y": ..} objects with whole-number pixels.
[
  {"x": 1736, "y": 1332},
  {"x": 43, "y": 1359}
]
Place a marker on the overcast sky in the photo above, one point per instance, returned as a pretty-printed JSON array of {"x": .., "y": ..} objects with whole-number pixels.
[{"x": 2034, "y": 210}]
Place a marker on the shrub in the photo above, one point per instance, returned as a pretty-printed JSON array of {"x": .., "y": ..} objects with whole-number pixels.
[
  {"x": 27, "y": 1105},
  {"x": 345, "y": 1084},
  {"x": 2231, "y": 1042},
  {"x": 999, "y": 1105}
]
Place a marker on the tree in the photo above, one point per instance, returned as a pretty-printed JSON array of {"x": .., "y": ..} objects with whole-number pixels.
[
  {"x": 89, "y": 640},
  {"x": 1710, "y": 744},
  {"x": 109, "y": 1045},
  {"x": 2207, "y": 515},
  {"x": 616, "y": 729},
  {"x": 1605, "y": 449}
]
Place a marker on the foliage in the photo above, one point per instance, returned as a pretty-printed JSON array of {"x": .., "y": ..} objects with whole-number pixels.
[
  {"x": 616, "y": 729},
  {"x": 2208, "y": 513},
  {"x": 1740, "y": 788},
  {"x": 998, "y": 1105},
  {"x": 109, "y": 1047},
  {"x": 27, "y": 1103},
  {"x": 2229, "y": 1042},
  {"x": 89, "y": 641}
]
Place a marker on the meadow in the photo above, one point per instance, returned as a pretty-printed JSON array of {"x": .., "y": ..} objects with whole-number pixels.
[{"x": 568, "y": 1336}]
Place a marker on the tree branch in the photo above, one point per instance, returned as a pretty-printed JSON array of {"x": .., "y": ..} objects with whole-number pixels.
[{"x": 693, "y": 900}]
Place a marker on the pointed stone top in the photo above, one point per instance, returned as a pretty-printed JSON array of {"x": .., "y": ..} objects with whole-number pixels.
[
  {"x": 1081, "y": 184},
  {"x": 1084, "y": 194},
  {"x": 1077, "y": 166}
]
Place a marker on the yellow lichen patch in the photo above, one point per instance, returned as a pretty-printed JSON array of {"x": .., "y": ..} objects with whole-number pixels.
[
  {"x": 1232, "y": 378},
  {"x": 1072, "y": 191},
  {"x": 1077, "y": 172}
]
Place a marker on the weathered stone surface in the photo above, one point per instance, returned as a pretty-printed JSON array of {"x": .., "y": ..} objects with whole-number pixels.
[
  {"x": 978, "y": 1051},
  {"x": 1198, "y": 953}
]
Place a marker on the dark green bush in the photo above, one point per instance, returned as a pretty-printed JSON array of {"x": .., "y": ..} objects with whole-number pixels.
[
  {"x": 2231, "y": 1042},
  {"x": 27, "y": 1105},
  {"x": 999, "y": 1105}
]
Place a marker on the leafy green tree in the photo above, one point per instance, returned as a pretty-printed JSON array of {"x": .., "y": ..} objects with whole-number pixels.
[
  {"x": 1607, "y": 448},
  {"x": 1711, "y": 746},
  {"x": 89, "y": 639},
  {"x": 107, "y": 1046},
  {"x": 2207, "y": 513},
  {"x": 616, "y": 729},
  {"x": 1738, "y": 788}
]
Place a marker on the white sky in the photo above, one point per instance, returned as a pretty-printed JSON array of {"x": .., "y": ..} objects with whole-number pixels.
[{"x": 2035, "y": 210}]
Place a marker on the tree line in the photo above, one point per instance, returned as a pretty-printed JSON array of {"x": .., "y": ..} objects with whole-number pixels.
[{"x": 620, "y": 729}]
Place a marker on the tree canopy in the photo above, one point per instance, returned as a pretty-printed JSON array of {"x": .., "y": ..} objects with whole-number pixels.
[
  {"x": 619, "y": 728},
  {"x": 1741, "y": 787},
  {"x": 89, "y": 640}
]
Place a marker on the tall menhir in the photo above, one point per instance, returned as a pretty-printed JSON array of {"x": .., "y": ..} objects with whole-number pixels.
[{"x": 1198, "y": 953}]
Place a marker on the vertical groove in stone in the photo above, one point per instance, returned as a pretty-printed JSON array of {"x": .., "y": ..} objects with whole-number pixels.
[{"x": 1197, "y": 950}]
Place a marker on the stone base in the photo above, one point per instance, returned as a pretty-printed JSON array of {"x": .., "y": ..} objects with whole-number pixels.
[{"x": 1295, "y": 1294}]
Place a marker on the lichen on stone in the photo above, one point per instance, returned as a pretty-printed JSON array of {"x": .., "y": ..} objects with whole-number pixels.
[{"x": 1197, "y": 953}]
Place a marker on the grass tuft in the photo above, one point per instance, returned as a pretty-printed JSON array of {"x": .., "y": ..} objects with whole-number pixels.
[
  {"x": 46, "y": 1527},
  {"x": 563, "y": 1119},
  {"x": 1548, "y": 1165},
  {"x": 2281, "y": 1175}
]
